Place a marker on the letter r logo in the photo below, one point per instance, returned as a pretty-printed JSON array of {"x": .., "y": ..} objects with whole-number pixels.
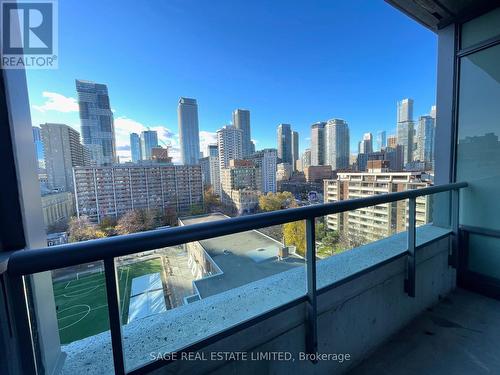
[{"x": 27, "y": 28}]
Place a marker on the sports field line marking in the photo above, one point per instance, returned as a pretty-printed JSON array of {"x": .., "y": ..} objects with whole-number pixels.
[
  {"x": 79, "y": 285},
  {"x": 76, "y": 286},
  {"x": 81, "y": 292},
  {"x": 87, "y": 275},
  {"x": 83, "y": 282},
  {"x": 81, "y": 312},
  {"x": 79, "y": 320}
]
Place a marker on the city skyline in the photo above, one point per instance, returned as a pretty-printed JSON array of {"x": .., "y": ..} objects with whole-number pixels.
[{"x": 266, "y": 88}]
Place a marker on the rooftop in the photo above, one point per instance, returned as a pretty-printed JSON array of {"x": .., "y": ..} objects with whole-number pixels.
[{"x": 243, "y": 257}]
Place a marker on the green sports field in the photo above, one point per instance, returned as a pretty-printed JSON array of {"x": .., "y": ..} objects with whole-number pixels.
[{"x": 82, "y": 305}]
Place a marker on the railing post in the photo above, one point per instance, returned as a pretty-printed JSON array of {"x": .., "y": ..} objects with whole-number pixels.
[
  {"x": 411, "y": 257},
  {"x": 115, "y": 324},
  {"x": 453, "y": 255},
  {"x": 311, "y": 309}
]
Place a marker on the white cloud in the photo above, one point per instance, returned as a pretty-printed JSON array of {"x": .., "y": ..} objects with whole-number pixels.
[
  {"x": 57, "y": 102},
  {"x": 124, "y": 126},
  {"x": 207, "y": 138}
]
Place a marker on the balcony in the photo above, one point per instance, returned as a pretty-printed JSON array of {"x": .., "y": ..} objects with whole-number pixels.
[
  {"x": 301, "y": 311},
  {"x": 455, "y": 336},
  {"x": 414, "y": 302}
]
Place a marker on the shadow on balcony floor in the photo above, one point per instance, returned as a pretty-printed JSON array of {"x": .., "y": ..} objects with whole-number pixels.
[{"x": 460, "y": 335}]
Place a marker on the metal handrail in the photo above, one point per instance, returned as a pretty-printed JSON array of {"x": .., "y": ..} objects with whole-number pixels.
[{"x": 24, "y": 262}]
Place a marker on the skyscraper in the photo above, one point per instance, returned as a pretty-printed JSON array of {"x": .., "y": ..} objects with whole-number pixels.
[
  {"x": 366, "y": 144},
  {"x": 381, "y": 140},
  {"x": 405, "y": 132},
  {"x": 189, "y": 135},
  {"x": 149, "y": 140},
  {"x": 214, "y": 168},
  {"x": 37, "y": 139},
  {"x": 135, "y": 147},
  {"x": 285, "y": 143},
  {"x": 405, "y": 110},
  {"x": 425, "y": 139},
  {"x": 96, "y": 119},
  {"x": 433, "y": 112},
  {"x": 63, "y": 151},
  {"x": 213, "y": 150},
  {"x": 405, "y": 128},
  {"x": 229, "y": 142},
  {"x": 337, "y": 144},
  {"x": 295, "y": 149},
  {"x": 241, "y": 120},
  {"x": 392, "y": 141},
  {"x": 306, "y": 158},
  {"x": 252, "y": 149},
  {"x": 317, "y": 144}
]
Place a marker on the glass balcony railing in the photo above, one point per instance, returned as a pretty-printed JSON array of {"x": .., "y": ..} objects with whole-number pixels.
[{"x": 171, "y": 270}]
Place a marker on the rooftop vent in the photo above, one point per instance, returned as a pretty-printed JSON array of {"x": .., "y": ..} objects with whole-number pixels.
[{"x": 283, "y": 252}]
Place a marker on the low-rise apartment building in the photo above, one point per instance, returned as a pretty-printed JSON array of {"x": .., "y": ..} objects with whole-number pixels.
[
  {"x": 376, "y": 222},
  {"x": 114, "y": 190},
  {"x": 239, "y": 185}
]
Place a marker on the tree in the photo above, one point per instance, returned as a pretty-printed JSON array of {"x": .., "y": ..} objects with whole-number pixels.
[
  {"x": 212, "y": 201},
  {"x": 294, "y": 234},
  {"x": 81, "y": 229},
  {"x": 351, "y": 240},
  {"x": 330, "y": 243},
  {"x": 321, "y": 230},
  {"x": 107, "y": 225},
  {"x": 169, "y": 216},
  {"x": 276, "y": 201},
  {"x": 136, "y": 221}
]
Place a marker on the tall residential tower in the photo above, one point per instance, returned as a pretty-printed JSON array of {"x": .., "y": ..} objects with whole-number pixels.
[
  {"x": 295, "y": 149},
  {"x": 284, "y": 135},
  {"x": 405, "y": 128},
  {"x": 96, "y": 119},
  {"x": 318, "y": 143},
  {"x": 241, "y": 120},
  {"x": 149, "y": 140},
  {"x": 189, "y": 134},
  {"x": 63, "y": 151},
  {"x": 135, "y": 147},
  {"x": 337, "y": 144}
]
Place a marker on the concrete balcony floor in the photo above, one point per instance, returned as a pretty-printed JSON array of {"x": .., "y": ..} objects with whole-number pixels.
[{"x": 460, "y": 335}]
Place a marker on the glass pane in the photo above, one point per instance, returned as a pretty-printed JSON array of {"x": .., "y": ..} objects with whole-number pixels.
[
  {"x": 376, "y": 222},
  {"x": 484, "y": 255},
  {"x": 175, "y": 296},
  {"x": 478, "y": 155},
  {"x": 81, "y": 308},
  {"x": 481, "y": 28}
]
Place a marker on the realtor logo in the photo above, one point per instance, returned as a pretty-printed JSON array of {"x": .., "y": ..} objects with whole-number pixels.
[{"x": 29, "y": 34}]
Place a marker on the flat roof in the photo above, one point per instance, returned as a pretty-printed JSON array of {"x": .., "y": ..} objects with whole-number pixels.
[{"x": 243, "y": 257}]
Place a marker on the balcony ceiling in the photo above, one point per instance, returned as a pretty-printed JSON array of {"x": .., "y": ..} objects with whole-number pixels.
[{"x": 436, "y": 14}]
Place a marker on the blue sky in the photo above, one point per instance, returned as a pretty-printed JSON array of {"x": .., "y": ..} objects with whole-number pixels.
[{"x": 291, "y": 61}]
